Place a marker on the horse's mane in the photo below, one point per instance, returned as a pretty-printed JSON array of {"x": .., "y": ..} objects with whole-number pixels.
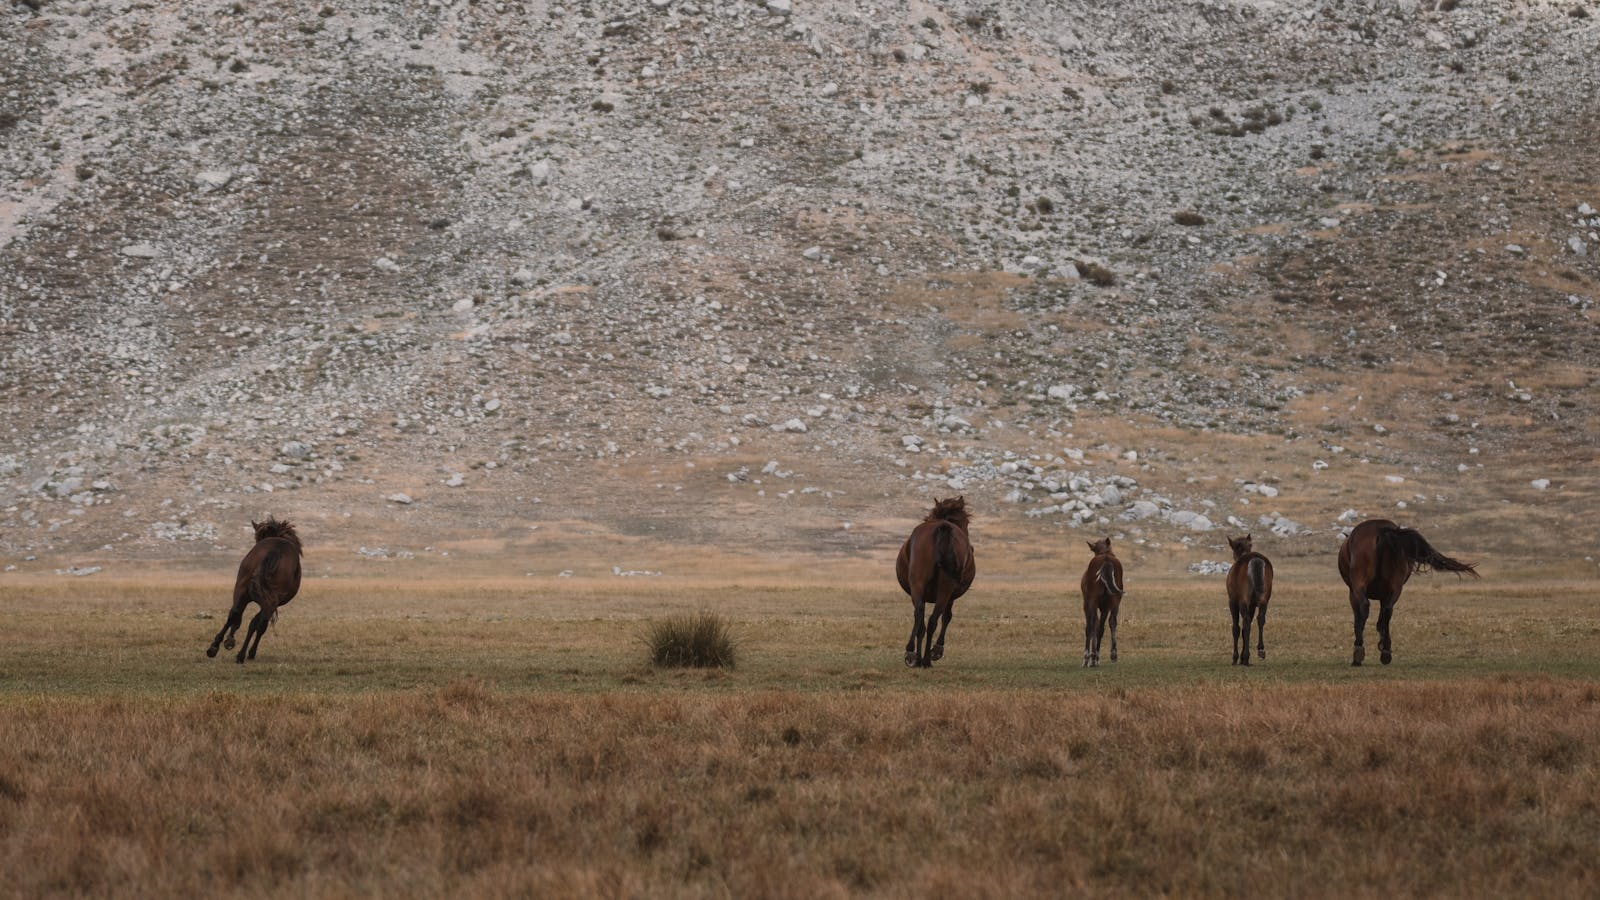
[
  {"x": 272, "y": 528},
  {"x": 952, "y": 510}
]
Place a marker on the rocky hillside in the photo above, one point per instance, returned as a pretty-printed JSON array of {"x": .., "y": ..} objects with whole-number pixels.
[{"x": 494, "y": 276}]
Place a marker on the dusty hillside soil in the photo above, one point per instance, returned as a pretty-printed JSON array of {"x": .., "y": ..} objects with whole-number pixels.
[{"x": 484, "y": 275}]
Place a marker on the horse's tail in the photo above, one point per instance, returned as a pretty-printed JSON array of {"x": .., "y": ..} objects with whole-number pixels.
[
  {"x": 1258, "y": 577},
  {"x": 1108, "y": 577},
  {"x": 1419, "y": 555},
  {"x": 944, "y": 550}
]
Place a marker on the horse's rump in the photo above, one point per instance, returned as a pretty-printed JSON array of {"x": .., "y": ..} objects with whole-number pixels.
[
  {"x": 1257, "y": 571},
  {"x": 1109, "y": 578},
  {"x": 945, "y": 555}
]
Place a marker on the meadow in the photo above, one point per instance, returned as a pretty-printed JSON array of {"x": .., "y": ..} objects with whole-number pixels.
[{"x": 506, "y": 737}]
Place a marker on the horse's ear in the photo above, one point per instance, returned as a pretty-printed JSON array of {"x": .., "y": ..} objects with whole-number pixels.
[{"x": 1092, "y": 547}]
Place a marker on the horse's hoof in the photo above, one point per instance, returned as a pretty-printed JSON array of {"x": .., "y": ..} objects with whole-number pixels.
[
  {"x": 911, "y": 659},
  {"x": 1262, "y": 654},
  {"x": 1361, "y": 654},
  {"x": 1113, "y": 656},
  {"x": 228, "y": 644},
  {"x": 211, "y": 650},
  {"x": 1385, "y": 657},
  {"x": 1246, "y": 661},
  {"x": 936, "y": 655}
]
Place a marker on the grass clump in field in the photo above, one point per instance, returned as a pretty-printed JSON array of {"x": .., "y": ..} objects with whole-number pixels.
[{"x": 700, "y": 640}]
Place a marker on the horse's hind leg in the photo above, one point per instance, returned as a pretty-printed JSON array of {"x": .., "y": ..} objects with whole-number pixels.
[
  {"x": 266, "y": 615},
  {"x": 1361, "y": 607},
  {"x": 1385, "y": 610},
  {"x": 235, "y": 618},
  {"x": 1261, "y": 634},
  {"x": 1113, "y": 634},
  {"x": 1099, "y": 637},
  {"x": 913, "y": 644},
  {"x": 231, "y": 622},
  {"x": 1245, "y": 616},
  {"x": 249, "y": 633},
  {"x": 1089, "y": 616},
  {"x": 937, "y": 652},
  {"x": 258, "y": 627},
  {"x": 1233, "y": 609}
]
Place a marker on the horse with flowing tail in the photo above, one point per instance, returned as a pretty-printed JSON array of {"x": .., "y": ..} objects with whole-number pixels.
[
  {"x": 1375, "y": 562},
  {"x": 1249, "y": 589},
  {"x": 269, "y": 576},
  {"x": 935, "y": 567},
  {"x": 1102, "y": 598}
]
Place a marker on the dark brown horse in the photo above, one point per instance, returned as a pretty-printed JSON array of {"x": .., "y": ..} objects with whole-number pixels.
[
  {"x": 1102, "y": 597},
  {"x": 1375, "y": 562},
  {"x": 269, "y": 576},
  {"x": 935, "y": 566},
  {"x": 1249, "y": 589}
]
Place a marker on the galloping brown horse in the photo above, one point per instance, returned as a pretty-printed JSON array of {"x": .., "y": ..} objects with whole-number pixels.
[
  {"x": 1375, "y": 562},
  {"x": 269, "y": 576},
  {"x": 1249, "y": 589},
  {"x": 1102, "y": 597},
  {"x": 935, "y": 566}
]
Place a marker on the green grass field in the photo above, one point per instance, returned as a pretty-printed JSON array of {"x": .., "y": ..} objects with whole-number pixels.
[{"x": 507, "y": 737}]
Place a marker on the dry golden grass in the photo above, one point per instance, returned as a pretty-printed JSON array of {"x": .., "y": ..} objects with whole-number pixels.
[
  {"x": 506, "y": 737},
  {"x": 1412, "y": 789}
]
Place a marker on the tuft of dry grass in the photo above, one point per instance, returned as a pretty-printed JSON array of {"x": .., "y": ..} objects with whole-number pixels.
[
  {"x": 702, "y": 640},
  {"x": 1457, "y": 789}
]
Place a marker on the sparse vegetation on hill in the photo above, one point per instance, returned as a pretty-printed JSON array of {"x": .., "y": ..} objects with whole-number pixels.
[{"x": 606, "y": 262}]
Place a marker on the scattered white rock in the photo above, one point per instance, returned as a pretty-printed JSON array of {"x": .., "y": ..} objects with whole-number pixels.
[
  {"x": 793, "y": 425},
  {"x": 1210, "y": 567},
  {"x": 1140, "y": 510},
  {"x": 1540, "y": 484},
  {"x": 1191, "y": 520},
  {"x": 142, "y": 251},
  {"x": 214, "y": 179},
  {"x": 401, "y": 498}
]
